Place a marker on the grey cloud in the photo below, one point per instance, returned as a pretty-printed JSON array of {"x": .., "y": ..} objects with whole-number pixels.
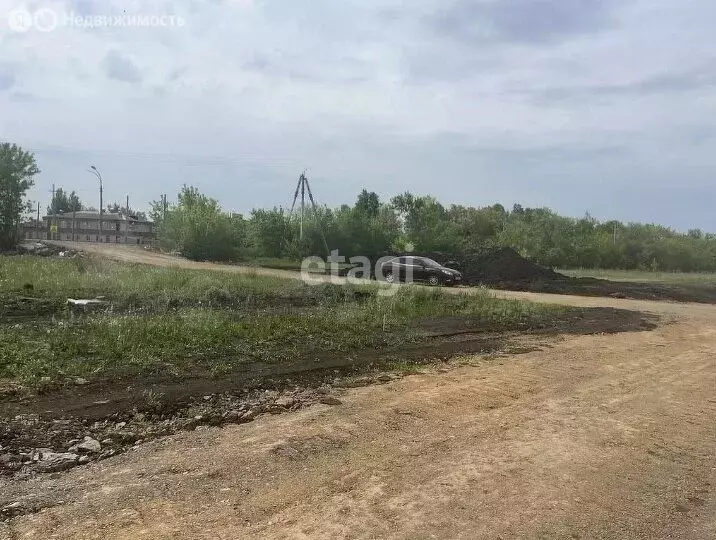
[
  {"x": 468, "y": 37},
  {"x": 7, "y": 78},
  {"x": 666, "y": 83},
  {"x": 685, "y": 82},
  {"x": 300, "y": 69},
  {"x": 81, "y": 7},
  {"x": 22, "y": 97},
  {"x": 279, "y": 68},
  {"x": 521, "y": 21},
  {"x": 177, "y": 73},
  {"x": 121, "y": 68}
]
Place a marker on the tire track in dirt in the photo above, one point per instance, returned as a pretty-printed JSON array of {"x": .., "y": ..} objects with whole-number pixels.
[{"x": 588, "y": 437}]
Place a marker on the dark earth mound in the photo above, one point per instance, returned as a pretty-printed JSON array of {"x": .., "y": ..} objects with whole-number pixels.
[
  {"x": 504, "y": 268},
  {"x": 493, "y": 266}
]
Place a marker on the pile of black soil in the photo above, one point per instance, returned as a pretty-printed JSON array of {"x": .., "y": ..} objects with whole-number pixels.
[
  {"x": 495, "y": 267},
  {"x": 702, "y": 294},
  {"x": 504, "y": 268}
]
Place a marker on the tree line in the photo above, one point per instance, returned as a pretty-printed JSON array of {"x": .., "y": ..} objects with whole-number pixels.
[
  {"x": 197, "y": 227},
  {"x": 65, "y": 203}
]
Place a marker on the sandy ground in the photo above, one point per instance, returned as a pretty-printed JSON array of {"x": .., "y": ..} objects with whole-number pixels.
[{"x": 589, "y": 437}]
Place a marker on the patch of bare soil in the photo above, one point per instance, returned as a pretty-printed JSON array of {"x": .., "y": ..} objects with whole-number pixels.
[
  {"x": 59, "y": 419},
  {"x": 596, "y": 436},
  {"x": 703, "y": 294}
]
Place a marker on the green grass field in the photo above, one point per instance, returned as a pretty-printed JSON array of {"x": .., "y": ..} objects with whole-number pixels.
[
  {"x": 179, "y": 322},
  {"x": 669, "y": 278}
]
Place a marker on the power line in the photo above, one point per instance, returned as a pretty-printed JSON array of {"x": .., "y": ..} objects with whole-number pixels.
[{"x": 276, "y": 161}]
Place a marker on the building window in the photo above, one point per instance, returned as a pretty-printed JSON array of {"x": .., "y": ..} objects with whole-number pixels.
[{"x": 87, "y": 238}]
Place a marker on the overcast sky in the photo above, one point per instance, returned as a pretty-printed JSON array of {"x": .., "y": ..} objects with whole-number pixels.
[{"x": 580, "y": 105}]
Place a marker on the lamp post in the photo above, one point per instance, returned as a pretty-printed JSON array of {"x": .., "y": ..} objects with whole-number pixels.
[{"x": 94, "y": 171}]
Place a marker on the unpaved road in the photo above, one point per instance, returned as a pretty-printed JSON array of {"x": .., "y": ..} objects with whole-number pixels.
[{"x": 589, "y": 437}]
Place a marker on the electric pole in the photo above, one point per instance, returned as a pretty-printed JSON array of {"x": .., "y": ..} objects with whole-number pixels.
[
  {"x": 126, "y": 223},
  {"x": 304, "y": 187},
  {"x": 94, "y": 171},
  {"x": 303, "y": 203},
  {"x": 52, "y": 218}
]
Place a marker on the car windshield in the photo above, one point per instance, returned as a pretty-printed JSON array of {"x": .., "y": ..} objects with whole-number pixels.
[{"x": 430, "y": 263}]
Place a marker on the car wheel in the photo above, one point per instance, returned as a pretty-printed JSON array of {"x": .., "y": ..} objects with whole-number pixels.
[
  {"x": 390, "y": 278},
  {"x": 434, "y": 280}
]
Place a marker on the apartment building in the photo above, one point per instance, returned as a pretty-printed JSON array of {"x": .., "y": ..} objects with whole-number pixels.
[{"x": 85, "y": 227}]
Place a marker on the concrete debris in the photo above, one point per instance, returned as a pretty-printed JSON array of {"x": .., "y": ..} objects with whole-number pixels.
[
  {"x": 87, "y": 446},
  {"x": 56, "y": 461},
  {"x": 286, "y": 402},
  {"x": 122, "y": 431},
  {"x": 84, "y": 303}
]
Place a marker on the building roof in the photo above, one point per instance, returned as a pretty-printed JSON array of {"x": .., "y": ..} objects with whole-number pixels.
[{"x": 106, "y": 216}]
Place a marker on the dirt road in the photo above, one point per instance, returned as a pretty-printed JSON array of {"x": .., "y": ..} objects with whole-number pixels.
[
  {"x": 134, "y": 254},
  {"x": 589, "y": 437}
]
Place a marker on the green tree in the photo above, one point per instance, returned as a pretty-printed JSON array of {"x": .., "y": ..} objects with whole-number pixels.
[
  {"x": 116, "y": 208},
  {"x": 268, "y": 232},
  {"x": 369, "y": 229},
  {"x": 64, "y": 202},
  {"x": 368, "y": 204},
  {"x": 199, "y": 229},
  {"x": 426, "y": 223},
  {"x": 17, "y": 171}
]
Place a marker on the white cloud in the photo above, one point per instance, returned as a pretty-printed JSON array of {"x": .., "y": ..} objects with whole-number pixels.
[{"x": 371, "y": 92}]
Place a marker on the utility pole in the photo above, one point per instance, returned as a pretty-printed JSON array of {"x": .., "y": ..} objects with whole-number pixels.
[
  {"x": 164, "y": 207},
  {"x": 615, "y": 233},
  {"x": 52, "y": 217},
  {"x": 126, "y": 223},
  {"x": 303, "y": 203},
  {"x": 303, "y": 186},
  {"x": 74, "y": 212},
  {"x": 94, "y": 171},
  {"x": 37, "y": 223}
]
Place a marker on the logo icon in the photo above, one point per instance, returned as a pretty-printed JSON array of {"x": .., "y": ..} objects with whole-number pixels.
[
  {"x": 20, "y": 20},
  {"x": 45, "y": 20}
]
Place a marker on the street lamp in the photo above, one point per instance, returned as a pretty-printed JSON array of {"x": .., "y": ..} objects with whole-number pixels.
[{"x": 94, "y": 171}]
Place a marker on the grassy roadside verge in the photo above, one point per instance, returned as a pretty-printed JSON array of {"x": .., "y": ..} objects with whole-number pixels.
[
  {"x": 639, "y": 276},
  {"x": 188, "y": 322}
]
